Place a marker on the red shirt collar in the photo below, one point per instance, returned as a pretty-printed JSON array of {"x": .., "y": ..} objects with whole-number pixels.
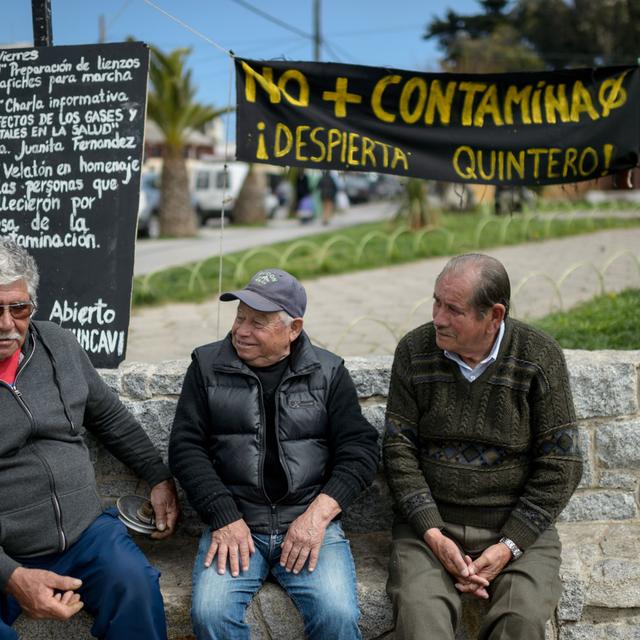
[{"x": 9, "y": 368}]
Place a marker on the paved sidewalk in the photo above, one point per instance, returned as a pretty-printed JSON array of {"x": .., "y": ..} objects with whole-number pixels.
[
  {"x": 365, "y": 312},
  {"x": 152, "y": 255}
]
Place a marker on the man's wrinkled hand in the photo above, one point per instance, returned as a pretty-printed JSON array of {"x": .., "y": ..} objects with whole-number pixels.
[
  {"x": 164, "y": 500},
  {"x": 306, "y": 533},
  {"x": 44, "y": 594},
  {"x": 488, "y": 565},
  {"x": 232, "y": 542},
  {"x": 455, "y": 563}
]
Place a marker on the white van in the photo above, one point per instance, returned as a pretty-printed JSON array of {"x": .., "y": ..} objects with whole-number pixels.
[
  {"x": 210, "y": 192},
  {"x": 149, "y": 205}
]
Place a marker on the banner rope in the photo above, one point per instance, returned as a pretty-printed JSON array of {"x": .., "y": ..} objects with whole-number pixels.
[
  {"x": 190, "y": 28},
  {"x": 224, "y": 193},
  {"x": 225, "y": 184}
]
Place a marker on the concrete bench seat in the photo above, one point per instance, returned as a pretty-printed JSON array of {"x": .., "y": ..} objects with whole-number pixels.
[
  {"x": 600, "y": 573},
  {"x": 600, "y": 528}
]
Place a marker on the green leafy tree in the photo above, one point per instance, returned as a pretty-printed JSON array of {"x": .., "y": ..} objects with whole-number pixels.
[
  {"x": 584, "y": 33},
  {"x": 560, "y": 33},
  {"x": 171, "y": 105},
  {"x": 483, "y": 43},
  {"x": 455, "y": 29},
  {"x": 498, "y": 52}
]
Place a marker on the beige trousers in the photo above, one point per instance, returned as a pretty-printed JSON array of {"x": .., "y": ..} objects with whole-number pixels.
[{"x": 427, "y": 606}]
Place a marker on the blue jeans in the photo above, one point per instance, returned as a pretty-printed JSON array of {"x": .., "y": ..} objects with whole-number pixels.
[
  {"x": 326, "y": 597},
  {"x": 119, "y": 586}
]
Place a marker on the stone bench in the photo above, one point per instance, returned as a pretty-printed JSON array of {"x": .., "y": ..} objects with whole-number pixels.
[{"x": 600, "y": 528}]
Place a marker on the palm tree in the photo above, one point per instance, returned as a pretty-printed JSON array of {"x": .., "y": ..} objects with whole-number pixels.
[
  {"x": 172, "y": 107},
  {"x": 250, "y": 203}
]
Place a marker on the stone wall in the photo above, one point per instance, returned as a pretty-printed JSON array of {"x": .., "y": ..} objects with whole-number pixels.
[{"x": 600, "y": 527}]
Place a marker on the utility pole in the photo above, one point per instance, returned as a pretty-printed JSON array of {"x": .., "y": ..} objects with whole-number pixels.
[
  {"x": 102, "y": 29},
  {"x": 41, "y": 15},
  {"x": 317, "y": 37}
]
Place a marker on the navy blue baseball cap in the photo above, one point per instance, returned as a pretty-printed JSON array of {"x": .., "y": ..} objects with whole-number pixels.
[{"x": 272, "y": 290}]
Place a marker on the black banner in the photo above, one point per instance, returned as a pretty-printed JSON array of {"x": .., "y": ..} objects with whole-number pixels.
[
  {"x": 517, "y": 128},
  {"x": 71, "y": 134}
]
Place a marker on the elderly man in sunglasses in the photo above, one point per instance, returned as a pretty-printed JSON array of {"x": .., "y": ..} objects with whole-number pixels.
[{"x": 59, "y": 551}]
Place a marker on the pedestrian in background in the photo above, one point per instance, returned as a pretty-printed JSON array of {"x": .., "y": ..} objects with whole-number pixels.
[
  {"x": 328, "y": 190},
  {"x": 305, "y": 209}
]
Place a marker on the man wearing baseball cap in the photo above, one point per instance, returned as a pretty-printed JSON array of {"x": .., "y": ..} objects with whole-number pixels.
[{"x": 270, "y": 446}]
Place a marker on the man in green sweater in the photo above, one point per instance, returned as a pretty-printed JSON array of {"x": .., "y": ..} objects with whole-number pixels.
[{"x": 481, "y": 455}]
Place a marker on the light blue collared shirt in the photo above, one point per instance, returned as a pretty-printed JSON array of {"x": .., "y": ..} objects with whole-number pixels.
[{"x": 471, "y": 373}]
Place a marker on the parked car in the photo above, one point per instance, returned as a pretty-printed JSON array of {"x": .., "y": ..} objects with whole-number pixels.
[
  {"x": 387, "y": 186},
  {"x": 210, "y": 191},
  {"x": 512, "y": 199},
  {"x": 357, "y": 187},
  {"x": 149, "y": 205}
]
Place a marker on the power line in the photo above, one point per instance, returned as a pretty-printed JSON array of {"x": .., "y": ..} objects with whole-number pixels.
[
  {"x": 330, "y": 49},
  {"x": 271, "y": 18},
  {"x": 103, "y": 27},
  {"x": 123, "y": 8},
  {"x": 364, "y": 32}
]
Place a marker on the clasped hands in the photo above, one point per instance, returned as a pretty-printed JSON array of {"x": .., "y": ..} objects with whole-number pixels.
[
  {"x": 301, "y": 544},
  {"x": 471, "y": 576}
]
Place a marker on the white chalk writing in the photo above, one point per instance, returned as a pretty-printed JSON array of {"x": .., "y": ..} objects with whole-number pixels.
[{"x": 71, "y": 122}]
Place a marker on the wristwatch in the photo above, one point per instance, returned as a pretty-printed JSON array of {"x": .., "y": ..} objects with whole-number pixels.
[{"x": 516, "y": 551}]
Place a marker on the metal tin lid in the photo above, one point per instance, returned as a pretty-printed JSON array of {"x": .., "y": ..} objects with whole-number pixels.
[{"x": 137, "y": 514}]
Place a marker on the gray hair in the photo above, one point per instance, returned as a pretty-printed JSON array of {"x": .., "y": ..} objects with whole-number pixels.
[
  {"x": 285, "y": 318},
  {"x": 492, "y": 281},
  {"x": 16, "y": 264}
]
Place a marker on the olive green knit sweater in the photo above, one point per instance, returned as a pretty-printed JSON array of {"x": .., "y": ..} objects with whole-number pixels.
[{"x": 500, "y": 452}]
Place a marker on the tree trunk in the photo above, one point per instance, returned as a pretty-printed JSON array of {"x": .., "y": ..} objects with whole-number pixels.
[
  {"x": 177, "y": 217},
  {"x": 419, "y": 213},
  {"x": 249, "y": 207}
]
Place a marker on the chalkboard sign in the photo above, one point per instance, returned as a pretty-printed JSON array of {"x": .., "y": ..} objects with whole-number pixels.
[{"x": 71, "y": 135}]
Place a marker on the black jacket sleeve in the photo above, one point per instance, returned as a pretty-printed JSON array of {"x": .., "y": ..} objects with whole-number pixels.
[
  {"x": 117, "y": 429},
  {"x": 188, "y": 457},
  {"x": 353, "y": 442}
]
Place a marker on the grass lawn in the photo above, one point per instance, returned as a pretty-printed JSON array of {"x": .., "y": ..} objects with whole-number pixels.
[
  {"x": 361, "y": 247},
  {"x": 611, "y": 321}
]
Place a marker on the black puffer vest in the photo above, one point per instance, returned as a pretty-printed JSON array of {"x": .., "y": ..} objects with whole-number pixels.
[{"x": 238, "y": 439}]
